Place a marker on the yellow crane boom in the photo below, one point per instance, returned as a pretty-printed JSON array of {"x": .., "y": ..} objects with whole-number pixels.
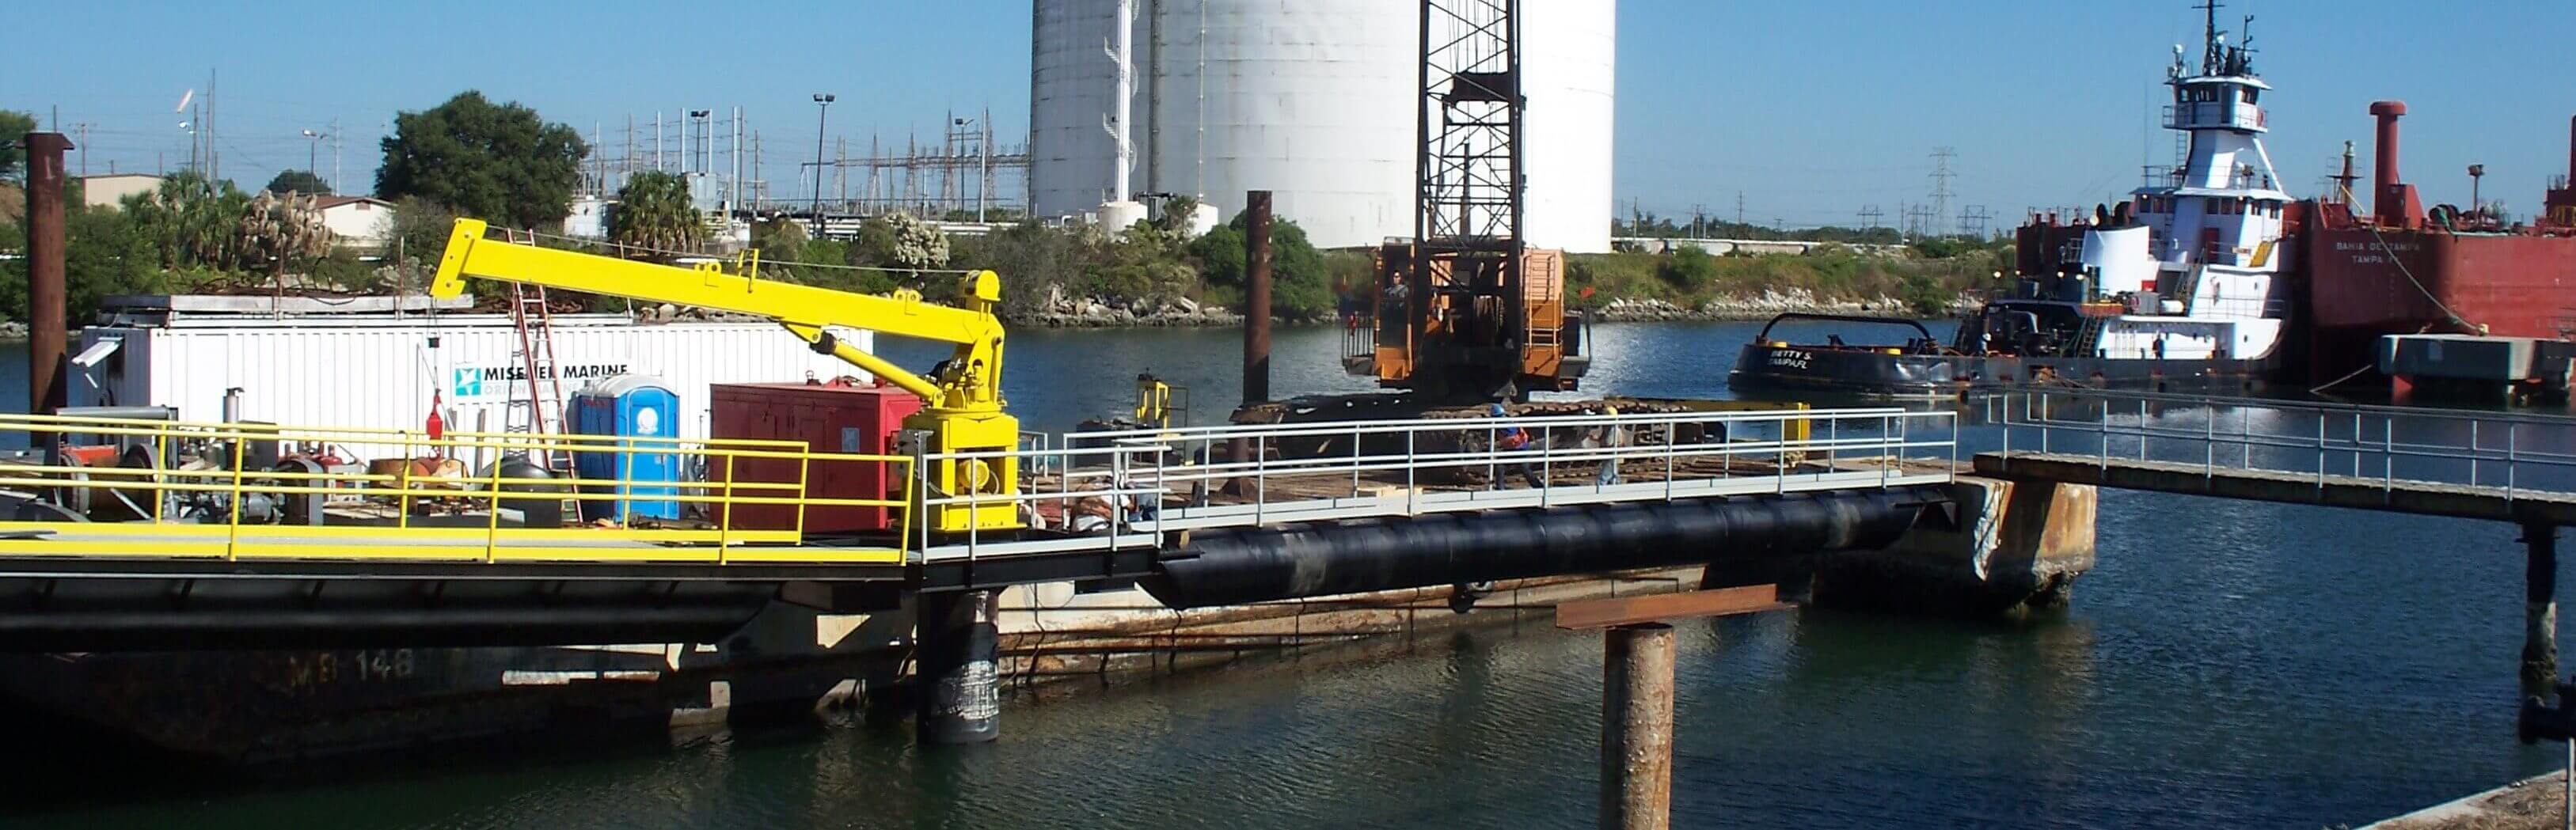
[{"x": 965, "y": 411}]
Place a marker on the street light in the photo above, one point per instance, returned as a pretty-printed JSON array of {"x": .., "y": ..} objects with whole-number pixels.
[
  {"x": 823, "y": 101},
  {"x": 313, "y": 152}
]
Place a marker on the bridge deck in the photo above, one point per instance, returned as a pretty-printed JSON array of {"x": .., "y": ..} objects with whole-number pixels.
[{"x": 2396, "y": 495}]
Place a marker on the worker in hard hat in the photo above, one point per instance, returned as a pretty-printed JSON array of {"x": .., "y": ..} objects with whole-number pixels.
[
  {"x": 1514, "y": 440},
  {"x": 1613, "y": 437}
]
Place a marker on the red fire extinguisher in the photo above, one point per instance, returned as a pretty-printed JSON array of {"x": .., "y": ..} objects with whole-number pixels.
[{"x": 437, "y": 426}]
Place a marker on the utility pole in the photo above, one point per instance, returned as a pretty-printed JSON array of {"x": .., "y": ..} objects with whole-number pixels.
[
  {"x": 1940, "y": 184},
  {"x": 1739, "y": 208},
  {"x": 82, "y": 129},
  {"x": 626, "y": 158},
  {"x": 657, "y": 141},
  {"x": 335, "y": 182},
  {"x": 822, "y": 110}
]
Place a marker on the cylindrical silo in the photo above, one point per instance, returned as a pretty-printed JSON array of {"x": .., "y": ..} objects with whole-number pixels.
[{"x": 1313, "y": 100}]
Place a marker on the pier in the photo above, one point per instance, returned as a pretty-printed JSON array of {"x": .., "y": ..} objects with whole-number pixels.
[
  {"x": 2494, "y": 466},
  {"x": 238, "y": 547}
]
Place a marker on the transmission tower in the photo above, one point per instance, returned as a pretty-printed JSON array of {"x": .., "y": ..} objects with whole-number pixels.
[
  {"x": 1739, "y": 208},
  {"x": 1868, "y": 218},
  {"x": 1972, "y": 221},
  {"x": 1940, "y": 183}
]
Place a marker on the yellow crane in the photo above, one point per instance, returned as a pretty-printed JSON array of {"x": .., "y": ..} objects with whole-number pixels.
[{"x": 964, "y": 394}]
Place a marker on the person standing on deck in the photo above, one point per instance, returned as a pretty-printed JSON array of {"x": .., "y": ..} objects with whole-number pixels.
[
  {"x": 1613, "y": 436},
  {"x": 1513, "y": 439}
]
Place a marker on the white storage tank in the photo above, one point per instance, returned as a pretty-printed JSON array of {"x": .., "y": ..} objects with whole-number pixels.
[
  {"x": 381, "y": 371},
  {"x": 1314, "y": 100}
]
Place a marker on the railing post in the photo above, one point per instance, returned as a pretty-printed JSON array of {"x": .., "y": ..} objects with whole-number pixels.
[
  {"x": 728, "y": 514},
  {"x": 492, "y": 525},
  {"x": 1355, "y": 460},
  {"x": 1546, "y": 467},
  {"x": 1411, "y": 469},
  {"x": 402, "y": 483},
  {"x": 161, "y": 458},
  {"x": 2510, "y": 430},
  {"x": 2473, "y": 452},
  {"x": 1260, "y": 476},
  {"x": 232, "y": 535}
]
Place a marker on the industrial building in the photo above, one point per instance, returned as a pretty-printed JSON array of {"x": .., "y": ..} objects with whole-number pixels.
[{"x": 1316, "y": 101}]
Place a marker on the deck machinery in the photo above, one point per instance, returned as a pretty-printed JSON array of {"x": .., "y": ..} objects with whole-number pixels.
[{"x": 1467, "y": 311}]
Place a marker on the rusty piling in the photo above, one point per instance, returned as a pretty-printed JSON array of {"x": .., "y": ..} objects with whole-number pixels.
[
  {"x": 46, "y": 313},
  {"x": 1256, "y": 296}
]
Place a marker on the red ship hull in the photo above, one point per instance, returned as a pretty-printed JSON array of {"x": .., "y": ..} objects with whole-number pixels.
[
  {"x": 2364, "y": 283},
  {"x": 2516, "y": 285}
]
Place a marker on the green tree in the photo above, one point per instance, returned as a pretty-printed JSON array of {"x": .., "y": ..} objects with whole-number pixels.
[
  {"x": 501, "y": 163},
  {"x": 298, "y": 181},
  {"x": 1300, "y": 278},
  {"x": 1028, "y": 256},
  {"x": 1689, "y": 268},
  {"x": 14, "y": 127},
  {"x": 653, "y": 211},
  {"x": 420, "y": 230},
  {"x": 193, "y": 223},
  {"x": 1177, "y": 212}
]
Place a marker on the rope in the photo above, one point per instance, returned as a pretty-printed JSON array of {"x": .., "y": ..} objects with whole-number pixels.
[{"x": 2409, "y": 273}]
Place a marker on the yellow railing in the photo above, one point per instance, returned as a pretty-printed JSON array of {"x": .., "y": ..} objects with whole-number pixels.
[{"x": 198, "y": 510}]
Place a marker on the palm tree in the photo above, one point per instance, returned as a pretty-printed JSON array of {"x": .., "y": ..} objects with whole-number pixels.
[{"x": 653, "y": 211}]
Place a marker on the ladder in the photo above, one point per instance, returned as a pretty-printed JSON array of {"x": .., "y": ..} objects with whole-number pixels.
[{"x": 539, "y": 413}]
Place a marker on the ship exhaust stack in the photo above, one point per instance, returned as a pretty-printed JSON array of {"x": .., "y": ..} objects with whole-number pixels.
[{"x": 2393, "y": 202}]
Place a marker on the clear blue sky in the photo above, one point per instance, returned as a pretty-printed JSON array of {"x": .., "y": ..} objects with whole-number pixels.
[{"x": 1810, "y": 109}]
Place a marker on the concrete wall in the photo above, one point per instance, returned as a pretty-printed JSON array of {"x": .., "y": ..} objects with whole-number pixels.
[
  {"x": 108, "y": 190},
  {"x": 362, "y": 223}
]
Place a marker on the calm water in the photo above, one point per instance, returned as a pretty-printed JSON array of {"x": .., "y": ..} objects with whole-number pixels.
[{"x": 2228, "y": 664}]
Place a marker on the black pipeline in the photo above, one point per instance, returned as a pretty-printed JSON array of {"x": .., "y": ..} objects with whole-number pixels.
[{"x": 1260, "y": 564}]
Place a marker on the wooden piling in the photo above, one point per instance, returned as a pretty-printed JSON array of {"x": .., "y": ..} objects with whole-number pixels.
[
  {"x": 1637, "y": 691},
  {"x": 1637, "y": 728}
]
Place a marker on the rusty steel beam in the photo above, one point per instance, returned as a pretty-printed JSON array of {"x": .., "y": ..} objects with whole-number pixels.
[
  {"x": 1720, "y": 602},
  {"x": 1256, "y": 296},
  {"x": 47, "y": 316}
]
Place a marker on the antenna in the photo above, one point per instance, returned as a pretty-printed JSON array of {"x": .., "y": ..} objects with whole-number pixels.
[{"x": 2210, "y": 37}]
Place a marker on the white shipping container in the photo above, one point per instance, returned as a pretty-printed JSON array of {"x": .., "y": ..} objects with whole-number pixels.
[{"x": 383, "y": 372}]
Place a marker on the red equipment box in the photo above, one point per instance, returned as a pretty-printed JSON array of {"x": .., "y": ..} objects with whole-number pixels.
[{"x": 832, "y": 419}]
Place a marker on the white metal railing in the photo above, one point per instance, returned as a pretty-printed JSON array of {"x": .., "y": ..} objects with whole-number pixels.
[
  {"x": 2514, "y": 455},
  {"x": 1116, "y": 490}
]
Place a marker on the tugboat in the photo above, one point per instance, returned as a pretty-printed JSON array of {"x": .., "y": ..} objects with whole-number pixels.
[{"x": 2183, "y": 284}]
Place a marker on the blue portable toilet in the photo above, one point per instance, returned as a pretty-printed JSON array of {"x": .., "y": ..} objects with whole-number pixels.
[{"x": 630, "y": 406}]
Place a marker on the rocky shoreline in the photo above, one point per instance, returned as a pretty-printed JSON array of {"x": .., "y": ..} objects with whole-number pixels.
[
  {"x": 12, "y": 331},
  {"x": 1763, "y": 306}
]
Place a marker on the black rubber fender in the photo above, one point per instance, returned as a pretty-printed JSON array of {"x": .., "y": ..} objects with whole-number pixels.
[{"x": 1232, "y": 567}]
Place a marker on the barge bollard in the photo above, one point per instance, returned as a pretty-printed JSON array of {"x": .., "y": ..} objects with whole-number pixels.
[
  {"x": 959, "y": 701},
  {"x": 2540, "y": 610},
  {"x": 1637, "y": 727},
  {"x": 1637, "y": 691}
]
